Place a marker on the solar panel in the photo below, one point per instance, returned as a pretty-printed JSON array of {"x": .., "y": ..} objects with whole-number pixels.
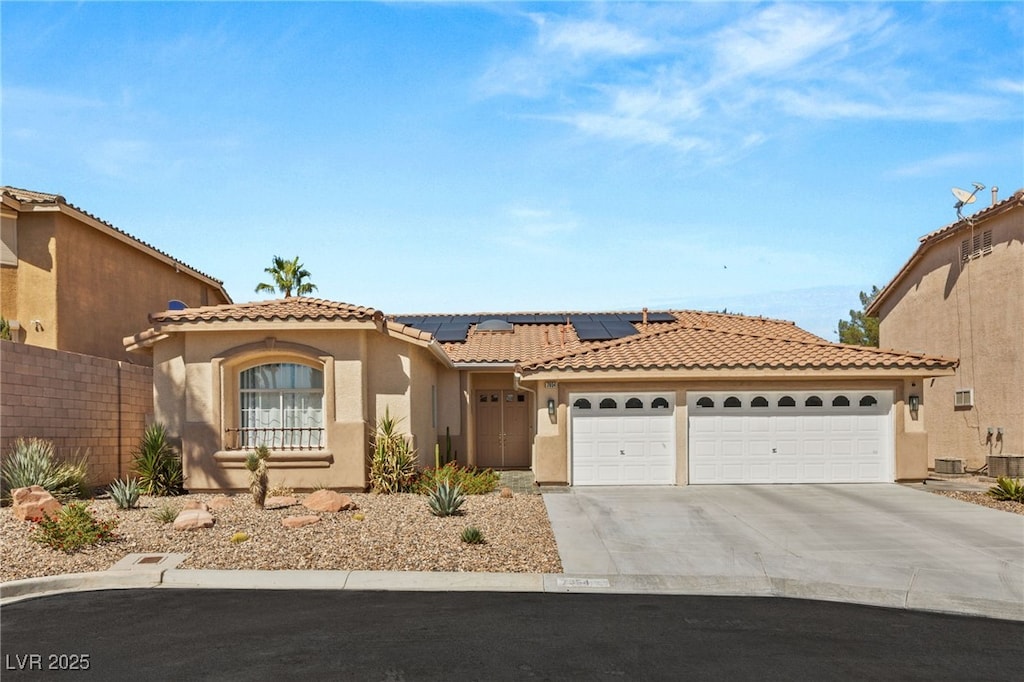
[
  {"x": 619, "y": 328},
  {"x": 451, "y": 332},
  {"x": 590, "y": 330},
  {"x": 520, "y": 318},
  {"x": 548, "y": 318}
]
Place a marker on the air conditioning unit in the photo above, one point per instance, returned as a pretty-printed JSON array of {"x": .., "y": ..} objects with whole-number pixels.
[{"x": 964, "y": 397}]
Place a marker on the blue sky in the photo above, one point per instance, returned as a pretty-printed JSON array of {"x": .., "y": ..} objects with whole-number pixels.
[{"x": 771, "y": 159}]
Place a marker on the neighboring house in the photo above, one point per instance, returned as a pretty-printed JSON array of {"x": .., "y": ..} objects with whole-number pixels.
[
  {"x": 961, "y": 295},
  {"x": 70, "y": 281},
  {"x": 645, "y": 398}
]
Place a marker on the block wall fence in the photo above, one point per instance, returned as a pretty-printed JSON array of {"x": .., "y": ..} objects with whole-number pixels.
[{"x": 85, "y": 405}]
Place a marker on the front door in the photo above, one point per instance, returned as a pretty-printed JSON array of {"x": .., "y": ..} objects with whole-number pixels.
[{"x": 502, "y": 429}]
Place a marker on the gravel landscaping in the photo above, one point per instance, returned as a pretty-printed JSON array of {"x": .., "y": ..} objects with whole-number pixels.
[
  {"x": 979, "y": 497},
  {"x": 395, "y": 533}
]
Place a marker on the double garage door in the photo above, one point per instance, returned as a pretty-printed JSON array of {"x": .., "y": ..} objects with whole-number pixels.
[{"x": 734, "y": 437}]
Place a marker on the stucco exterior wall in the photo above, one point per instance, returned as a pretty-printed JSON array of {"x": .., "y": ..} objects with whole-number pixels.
[
  {"x": 86, "y": 406},
  {"x": 552, "y": 444},
  {"x": 87, "y": 289},
  {"x": 365, "y": 372},
  {"x": 973, "y": 311}
]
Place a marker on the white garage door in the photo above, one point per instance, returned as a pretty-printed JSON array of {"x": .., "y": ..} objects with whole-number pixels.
[
  {"x": 623, "y": 439},
  {"x": 790, "y": 437}
]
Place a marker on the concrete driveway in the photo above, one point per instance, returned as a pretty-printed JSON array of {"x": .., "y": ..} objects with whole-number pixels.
[{"x": 882, "y": 544}]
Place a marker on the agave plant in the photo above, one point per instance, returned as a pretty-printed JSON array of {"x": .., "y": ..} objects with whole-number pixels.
[
  {"x": 256, "y": 463},
  {"x": 1007, "y": 489},
  {"x": 445, "y": 499},
  {"x": 472, "y": 535},
  {"x": 157, "y": 464},
  {"x": 125, "y": 493},
  {"x": 393, "y": 461},
  {"x": 31, "y": 461}
]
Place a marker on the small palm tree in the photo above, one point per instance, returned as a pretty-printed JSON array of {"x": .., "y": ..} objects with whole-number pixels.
[{"x": 289, "y": 276}]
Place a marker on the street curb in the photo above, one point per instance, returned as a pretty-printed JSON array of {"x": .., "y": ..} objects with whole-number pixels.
[{"x": 722, "y": 586}]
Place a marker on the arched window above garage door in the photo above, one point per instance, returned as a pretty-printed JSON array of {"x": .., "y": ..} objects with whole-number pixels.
[
  {"x": 705, "y": 402},
  {"x": 868, "y": 401},
  {"x": 634, "y": 404},
  {"x": 662, "y": 404},
  {"x": 582, "y": 404},
  {"x": 759, "y": 401},
  {"x": 840, "y": 401},
  {"x": 813, "y": 401},
  {"x": 608, "y": 404},
  {"x": 787, "y": 401},
  {"x": 732, "y": 401}
]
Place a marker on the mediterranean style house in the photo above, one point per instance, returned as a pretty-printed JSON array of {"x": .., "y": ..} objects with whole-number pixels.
[
  {"x": 72, "y": 282},
  {"x": 627, "y": 398},
  {"x": 961, "y": 294}
]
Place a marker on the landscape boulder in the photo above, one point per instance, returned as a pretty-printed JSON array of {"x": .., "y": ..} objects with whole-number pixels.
[
  {"x": 279, "y": 501},
  {"x": 299, "y": 521},
  {"x": 328, "y": 501},
  {"x": 220, "y": 502},
  {"x": 33, "y": 503},
  {"x": 192, "y": 519}
]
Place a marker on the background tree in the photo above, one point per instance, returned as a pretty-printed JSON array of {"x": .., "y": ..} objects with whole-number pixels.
[
  {"x": 289, "y": 276},
  {"x": 860, "y": 329}
]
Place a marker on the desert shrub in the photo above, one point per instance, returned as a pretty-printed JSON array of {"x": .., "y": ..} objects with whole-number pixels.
[
  {"x": 157, "y": 464},
  {"x": 31, "y": 461},
  {"x": 472, "y": 535},
  {"x": 1007, "y": 489},
  {"x": 72, "y": 528},
  {"x": 393, "y": 459},
  {"x": 256, "y": 463},
  {"x": 125, "y": 494},
  {"x": 165, "y": 514},
  {"x": 445, "y": 499},
  {"x": 239, "y": 537},
  {"x": 473, "y": 481}
]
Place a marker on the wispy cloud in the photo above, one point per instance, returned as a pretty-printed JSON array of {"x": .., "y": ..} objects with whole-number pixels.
[
  {"x": 938, "y": 164},
  {"x": 538, "y": 231}
]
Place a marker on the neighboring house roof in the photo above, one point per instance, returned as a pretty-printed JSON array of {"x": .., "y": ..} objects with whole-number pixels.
[
  {"x": 682, "y": 346},
  {"x": 291, "y": 308},
  {"x": 28, "y": 198},
  {"x": 1015, "y": 200}
]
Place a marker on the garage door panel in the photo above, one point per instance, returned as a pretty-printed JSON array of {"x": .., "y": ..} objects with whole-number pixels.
[
  {"x": 797, "y": 442},
  {"x": 634, "y": 446}
]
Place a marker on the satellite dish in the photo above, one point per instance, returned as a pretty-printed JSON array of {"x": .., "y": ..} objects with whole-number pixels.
[{"x": 963, "y": 197}]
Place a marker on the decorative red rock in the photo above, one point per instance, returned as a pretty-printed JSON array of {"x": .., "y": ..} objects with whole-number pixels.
[
  {"x": 191, "y": 519},
  {"x": 33, "y": 503},
  {"x": 220, "y": 502},
  {"x": 328, "y": 501},
  {"x": 299, "y": 521},
  {"x": 279, "y": 501}
]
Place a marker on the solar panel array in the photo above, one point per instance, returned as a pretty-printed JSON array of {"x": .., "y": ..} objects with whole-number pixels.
[{"x": 589, "y": 326}]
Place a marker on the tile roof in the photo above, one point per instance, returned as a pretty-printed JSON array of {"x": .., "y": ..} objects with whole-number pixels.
[
  {"x": 294, "y": 308},
  {"x": 26, "y": 196},
  {"x": 683, "y": 346}
]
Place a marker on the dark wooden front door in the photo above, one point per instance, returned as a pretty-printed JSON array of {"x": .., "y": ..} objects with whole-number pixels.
[{"x": 502, "y": 429}]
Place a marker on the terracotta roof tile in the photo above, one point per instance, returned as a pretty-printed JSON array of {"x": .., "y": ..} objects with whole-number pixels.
[
  {"x": 682, "y": 346},
  {"x": 293, "y": 308}
]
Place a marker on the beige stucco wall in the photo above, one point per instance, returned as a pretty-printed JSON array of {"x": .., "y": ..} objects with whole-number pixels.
[
  {"x": 551, "y": 446},
  {"x": 973, "y": 311},
  {"x": 365, "y": 373},
  {"x": 87, "y": 289}
]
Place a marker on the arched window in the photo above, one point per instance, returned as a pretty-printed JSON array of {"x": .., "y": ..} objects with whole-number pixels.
[
  {"x": 732, "y": 401},
  {"x": 281, "y": 406},
  {"x": 659, "y": 404},
  {"x": 868, "y": 401},
  {"x": 840, "y": 401},
  {"x": 813, "y": 401},
  {"x": 634, "y": 404},
  {"x": 581, "y": 404},
  {"x": 705, "y": 402},
  {"x": 787, "y": 401},
  {"x": 608, "y": 404},
  {"x": 759, "y": 401}
]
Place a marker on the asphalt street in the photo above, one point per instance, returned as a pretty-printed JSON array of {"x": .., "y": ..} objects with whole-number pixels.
[{"x": 178, "y": 634}]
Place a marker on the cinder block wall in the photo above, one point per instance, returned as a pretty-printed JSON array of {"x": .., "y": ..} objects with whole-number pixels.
[{"x": 83, "y": 404}]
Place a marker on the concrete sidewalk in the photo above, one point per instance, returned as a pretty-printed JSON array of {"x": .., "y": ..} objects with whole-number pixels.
[{"x": 881, "y": 545}]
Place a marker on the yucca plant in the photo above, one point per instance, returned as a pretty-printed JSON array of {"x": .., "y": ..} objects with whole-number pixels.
[
  {"x": 256, "y": 463},
  {"x": 1007, "y": 489},
  {"x": 472, "y": 535},
  {"x": 31, "y": 461},
  {"x": 393, "y": 460},
  {"x": 125, "y": 493},
  {"x": 157, "y": 464},
  {"x": 445, "y": 499}
]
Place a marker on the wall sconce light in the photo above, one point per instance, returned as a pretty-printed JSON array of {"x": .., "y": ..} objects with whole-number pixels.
[
  {"x": 915, "y": 403},
  {"x": 551, "y": 407}
]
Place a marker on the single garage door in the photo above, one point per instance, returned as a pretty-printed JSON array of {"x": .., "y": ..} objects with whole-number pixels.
[
  {"x": 623, "y": 439},
  {"x": 790, "y": 437}
]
